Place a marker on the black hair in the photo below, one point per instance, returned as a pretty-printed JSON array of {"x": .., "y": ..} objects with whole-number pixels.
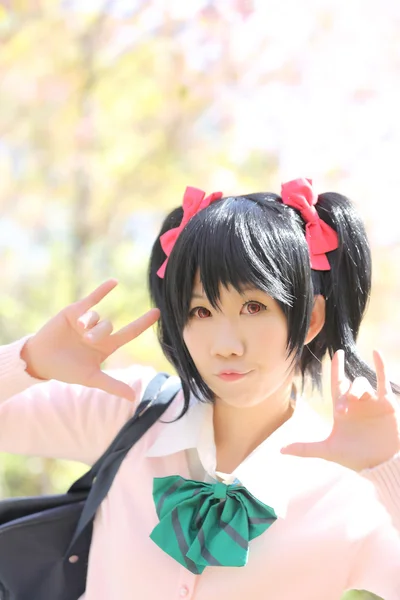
[{"x": 257, "y": 240}]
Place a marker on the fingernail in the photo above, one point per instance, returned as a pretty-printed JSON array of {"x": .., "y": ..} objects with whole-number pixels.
[
  {"x": 89, "y": 336},
  {"x": 341, "y": 408}
]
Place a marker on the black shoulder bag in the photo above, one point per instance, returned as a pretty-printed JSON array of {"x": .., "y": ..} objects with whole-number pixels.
[{"x": 45, "y": 540}]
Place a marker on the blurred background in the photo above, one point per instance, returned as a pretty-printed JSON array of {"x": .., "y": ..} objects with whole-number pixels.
[{"x": 110, "y": 108}]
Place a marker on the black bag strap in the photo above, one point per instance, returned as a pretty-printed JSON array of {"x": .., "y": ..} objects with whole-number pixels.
[
  {"x": 85, "y": 482},
  {"x": 156, "y": 399}
]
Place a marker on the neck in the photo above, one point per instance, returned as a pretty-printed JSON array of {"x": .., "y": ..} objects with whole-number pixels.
[{"x": 239, "y": 431}]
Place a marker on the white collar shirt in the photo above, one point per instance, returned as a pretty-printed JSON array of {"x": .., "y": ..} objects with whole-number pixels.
[
  {"x": 324, "y": 510},
  {"x": 266, "y": 473}
]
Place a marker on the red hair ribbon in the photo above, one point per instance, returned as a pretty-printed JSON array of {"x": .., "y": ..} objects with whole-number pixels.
[
  {"x": 321, "y": 238},
  {"x": 193, "y": 202}
]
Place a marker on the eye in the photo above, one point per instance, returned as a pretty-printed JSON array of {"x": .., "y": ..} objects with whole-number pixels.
[
  {"x": 254, "y": 307},
  {"x": 200, "y": 312}
]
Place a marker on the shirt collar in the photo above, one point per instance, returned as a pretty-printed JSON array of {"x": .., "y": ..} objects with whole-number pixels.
[
  {"x": 182, "y": 434},
  {"x": 266, "y": 473}
]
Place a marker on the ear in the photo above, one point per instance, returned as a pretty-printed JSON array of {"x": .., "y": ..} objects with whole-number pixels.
[{"x": 317, "y": 318}]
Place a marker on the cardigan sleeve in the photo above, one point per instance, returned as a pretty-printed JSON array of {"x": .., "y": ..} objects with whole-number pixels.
[
  {"x": 60, "y": 420},
  {"x": 376, "y": 567},
  {"x": 386, "y": 480}
]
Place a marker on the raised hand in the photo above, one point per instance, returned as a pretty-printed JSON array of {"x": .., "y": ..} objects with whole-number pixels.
[
  {"x": 72, "y": 345},
  {"x": 366, "y": 426}
]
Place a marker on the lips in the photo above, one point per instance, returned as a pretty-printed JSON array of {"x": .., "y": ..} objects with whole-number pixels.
[
  {"x": 232, "y": 375},
  {"x": 232, "y": 372}
]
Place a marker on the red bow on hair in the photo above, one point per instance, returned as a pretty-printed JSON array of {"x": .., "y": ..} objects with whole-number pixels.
[
  {"x": 193, "y": 202},
  {"x": 321, "y": 238}
]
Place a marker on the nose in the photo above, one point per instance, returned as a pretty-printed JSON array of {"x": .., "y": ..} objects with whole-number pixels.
[{"x": 227, "y": 340}]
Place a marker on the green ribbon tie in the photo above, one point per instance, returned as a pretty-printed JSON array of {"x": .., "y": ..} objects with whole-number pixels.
[{"x": 207, "y": 524}]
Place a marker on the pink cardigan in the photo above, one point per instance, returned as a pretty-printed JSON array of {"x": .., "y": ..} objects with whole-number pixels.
[{"x": 336, "y": 530}]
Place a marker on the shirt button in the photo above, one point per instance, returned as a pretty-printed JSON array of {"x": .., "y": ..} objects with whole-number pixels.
[{"x": 183, "y": 592}]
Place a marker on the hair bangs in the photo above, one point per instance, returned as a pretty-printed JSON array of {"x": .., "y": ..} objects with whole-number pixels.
[
  {"x": 257, "y": 240},
  {"x": 230, "y": 244},
  {"x": 243, "y": 241}
]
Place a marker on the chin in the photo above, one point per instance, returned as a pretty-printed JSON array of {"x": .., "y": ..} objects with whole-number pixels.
[
  {"x": 238, "y": 400},
  {"x": 240, "y": 404}
]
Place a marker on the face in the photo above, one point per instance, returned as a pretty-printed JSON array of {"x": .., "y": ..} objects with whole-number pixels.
[{"x": 240, "y": 349}]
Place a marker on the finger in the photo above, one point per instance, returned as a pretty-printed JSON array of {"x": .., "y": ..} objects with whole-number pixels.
[
  {"x": 307, "y": 450},
  {"x": 89, "y": 319},
  {"x": 339, "y": 382},
  {"x": 360, "y": 390},
  {"x": 99, "y": 331},
  {"x": 112, "y": 386},
  {"x": 133, "y": 330},
  {"x": 96, "y": 296},
  {"x": 384, "y": 387}
]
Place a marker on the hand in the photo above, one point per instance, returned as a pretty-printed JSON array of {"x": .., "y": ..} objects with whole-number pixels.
[
  {"x": 72, "y": 345},
  {"x": 366, "y": 426}
]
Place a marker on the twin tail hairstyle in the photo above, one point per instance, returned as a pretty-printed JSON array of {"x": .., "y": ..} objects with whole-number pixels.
[{"x": 258, "y": 240}]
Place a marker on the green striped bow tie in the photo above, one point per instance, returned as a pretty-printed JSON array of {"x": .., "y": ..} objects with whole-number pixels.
[{"x": 207, "y": 524}]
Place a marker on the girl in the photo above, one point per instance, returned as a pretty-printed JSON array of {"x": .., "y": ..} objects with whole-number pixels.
[{"x": 251, "y": 292}]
